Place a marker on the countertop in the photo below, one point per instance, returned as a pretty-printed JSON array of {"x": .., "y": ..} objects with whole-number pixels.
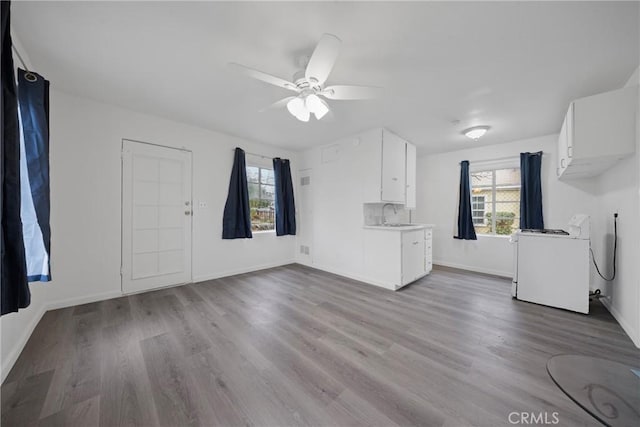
[{"x": 403, "y": 228}]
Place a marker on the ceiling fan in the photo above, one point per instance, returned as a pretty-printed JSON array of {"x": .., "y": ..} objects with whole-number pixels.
[{"x": 309, "y": 83}]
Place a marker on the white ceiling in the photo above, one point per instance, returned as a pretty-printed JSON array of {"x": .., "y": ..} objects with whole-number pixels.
[{"x": 513, "y": 66}]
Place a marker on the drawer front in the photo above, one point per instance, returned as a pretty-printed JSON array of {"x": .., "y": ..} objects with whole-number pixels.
[{"x": 413, "y": 236}]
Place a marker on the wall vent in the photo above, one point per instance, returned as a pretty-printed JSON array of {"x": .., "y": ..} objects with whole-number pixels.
[{"x": 305, "y": 180}]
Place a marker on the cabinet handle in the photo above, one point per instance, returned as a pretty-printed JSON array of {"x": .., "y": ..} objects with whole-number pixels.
[
  {"x": 415, "y": 243},
  {"x": 394, "y": 179},
  {"x": 562, "y": 162},
  {"x": 569, "y": 152}
]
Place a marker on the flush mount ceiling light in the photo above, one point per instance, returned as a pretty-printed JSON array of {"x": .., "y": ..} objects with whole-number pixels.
[{"x": 475, "y": 132}]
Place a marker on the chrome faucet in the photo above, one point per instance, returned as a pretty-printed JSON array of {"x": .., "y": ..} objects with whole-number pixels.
[{"x": 395, "y": 211}]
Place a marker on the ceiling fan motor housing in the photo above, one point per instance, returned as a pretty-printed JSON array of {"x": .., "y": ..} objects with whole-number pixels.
[{"x": 303, "y": 83}]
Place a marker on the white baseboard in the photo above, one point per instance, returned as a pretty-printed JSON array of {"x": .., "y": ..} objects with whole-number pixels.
[
  {"x": 12, "y": 357},
  {"x": 631, "y": 332},
  {"x": 505, "y": 274},
  {"x": 70, "y": 302},
  {"x": 228, "y": 273},
  {"x": 351, "y": 276}
]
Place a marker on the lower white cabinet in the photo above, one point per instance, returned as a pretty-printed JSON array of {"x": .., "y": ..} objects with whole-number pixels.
[
  {"x": 413, "y": 255},
  {"x": 394, "y": 257}
]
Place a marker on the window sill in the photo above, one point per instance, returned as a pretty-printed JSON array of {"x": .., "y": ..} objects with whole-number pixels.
[
  {"x": 267, "y": 232},
  {"x": 499, "y": 236}
]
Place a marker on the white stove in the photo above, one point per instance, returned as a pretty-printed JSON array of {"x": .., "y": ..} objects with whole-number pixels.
[{"x": 551, "y": 267}]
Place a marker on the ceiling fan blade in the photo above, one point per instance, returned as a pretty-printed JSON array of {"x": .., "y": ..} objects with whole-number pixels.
[
  {"x": 347, "y": 92},
  {"x": 278, "y": 104},
  {"x": 328, "y": 118},
  {"x": 323, "y": 58},
  {"x": 268, "y": 78}
]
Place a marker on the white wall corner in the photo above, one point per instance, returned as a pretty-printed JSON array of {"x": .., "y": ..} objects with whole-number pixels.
[
  {"x": 633, "y": 333},
  {"x": 12, "y": 357}
]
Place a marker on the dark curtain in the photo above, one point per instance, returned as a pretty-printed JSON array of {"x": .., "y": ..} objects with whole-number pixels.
[
  {"x": 466, "y": 231},
  {"x": 236, "y": 223},
  {"x": 15, "y": 288},
  {"x": 33, "y": 97},
  {"x": 285, "y": 204},
  {"x": 531, "y": 191}
]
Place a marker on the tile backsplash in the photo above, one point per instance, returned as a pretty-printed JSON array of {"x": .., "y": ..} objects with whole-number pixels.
[{"x": 373, "y": 213}]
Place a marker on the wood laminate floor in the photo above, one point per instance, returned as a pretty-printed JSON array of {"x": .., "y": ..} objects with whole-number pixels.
[{"x": 295, "y": 346}]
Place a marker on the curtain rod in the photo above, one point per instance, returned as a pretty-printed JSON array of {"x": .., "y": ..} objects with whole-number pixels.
[
  {"x": 255, "y": 154},
  {"x": 500, "y": 159}
]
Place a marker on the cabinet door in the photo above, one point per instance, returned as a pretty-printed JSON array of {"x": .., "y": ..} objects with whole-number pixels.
[
  {"x": 393, "y": 168},
  {"x": 604, "y": 124},
  {"x": 564, "y": 142},
  {"x": 413, "y": 255},
  {"x": 410, "y": 201}
]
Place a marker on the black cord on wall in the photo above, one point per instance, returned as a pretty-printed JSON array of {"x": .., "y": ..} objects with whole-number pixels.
[{"x": 615, "y": 250}]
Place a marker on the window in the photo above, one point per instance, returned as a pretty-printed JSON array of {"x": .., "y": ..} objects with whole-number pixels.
[
  {"x": 261, "y": 198},
  {"x": 495, "y": 201},
  {"x": 477, "y": 210}
]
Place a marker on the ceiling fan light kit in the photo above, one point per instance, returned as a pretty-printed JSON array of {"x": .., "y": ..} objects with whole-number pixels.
[{"x": 309, "y": 83}]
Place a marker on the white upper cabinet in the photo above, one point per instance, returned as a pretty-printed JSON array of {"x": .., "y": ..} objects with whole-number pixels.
[
  {"x": 410, "y": 198},
  {"x": 386, "y": 178},
  {"x": 597, "y": 131},
  {"x": 393, "y": 168}
]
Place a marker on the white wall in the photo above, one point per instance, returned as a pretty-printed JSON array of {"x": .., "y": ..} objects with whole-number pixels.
[
  {"x": 337, "y": 198},
  {"x": 437, "y": 201},
  {"x": 619, "y": 191},
  {"x": 336, "y": 192},
  {"x": 85, "y": 146}
]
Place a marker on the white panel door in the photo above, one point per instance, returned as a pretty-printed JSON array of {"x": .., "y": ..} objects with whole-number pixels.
[{"x": 156, "y": 216}]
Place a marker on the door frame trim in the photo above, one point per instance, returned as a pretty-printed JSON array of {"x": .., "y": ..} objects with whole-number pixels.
[{"x": 184, "y": 150}]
